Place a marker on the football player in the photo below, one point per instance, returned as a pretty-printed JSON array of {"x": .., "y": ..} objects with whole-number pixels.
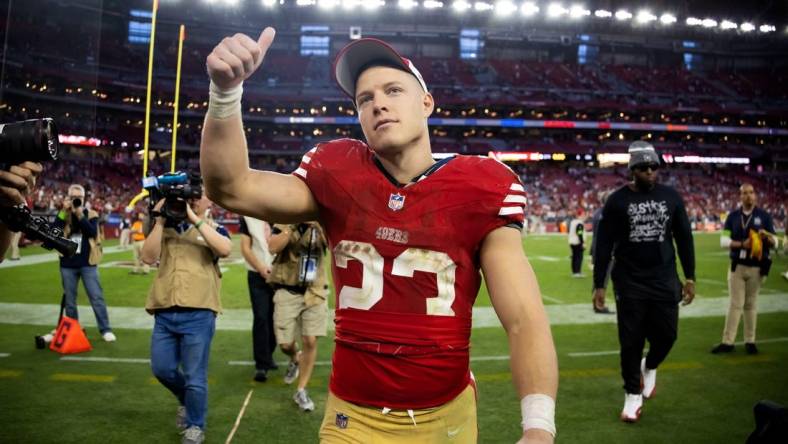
[{"x": 409, "y": 236}]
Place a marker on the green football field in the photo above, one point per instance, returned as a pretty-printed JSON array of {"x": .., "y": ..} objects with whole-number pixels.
[{"x": 108, "y": 395}]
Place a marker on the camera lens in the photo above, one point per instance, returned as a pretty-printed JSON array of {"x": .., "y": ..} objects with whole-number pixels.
[
  {"x": 77, "y": 202},
  {"x": 34, "y": 140}
]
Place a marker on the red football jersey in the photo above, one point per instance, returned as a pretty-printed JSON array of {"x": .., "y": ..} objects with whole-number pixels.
[{"x": 406, "y": 268}]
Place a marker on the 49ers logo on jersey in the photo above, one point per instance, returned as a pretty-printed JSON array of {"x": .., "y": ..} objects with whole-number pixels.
[{"x": 396, "y": 201}]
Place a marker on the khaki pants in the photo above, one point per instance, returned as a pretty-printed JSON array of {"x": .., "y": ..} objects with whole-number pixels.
[
  {"x": 743, "y": 287},
  {"x": 453, "y": 422},
  {"x": 137, "y": 258},
  {"x": 293, "y": 319},
  {"x": 125, "y": 236}
]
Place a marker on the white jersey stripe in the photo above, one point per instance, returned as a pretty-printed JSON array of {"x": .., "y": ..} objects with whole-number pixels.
[
  {"x": 516, "y": 187},
  {"x": 515, "y": 198},
  {"x": 300, "y": 172},
  {"x": 306, "y": 159},
  {"x": 507, "y": 211}
]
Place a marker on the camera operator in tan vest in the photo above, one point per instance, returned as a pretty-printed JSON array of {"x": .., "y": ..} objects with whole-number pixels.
[
  {"x": 299, "y": 280},
  {"x": 184, "y": 300}
]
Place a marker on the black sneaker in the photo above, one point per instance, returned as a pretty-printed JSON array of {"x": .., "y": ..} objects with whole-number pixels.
[
  {"x": 603, "y": 310},
  {"x": 722, "y": 348},
  {"x": 751, "y": 348},
  {"x": 261, "y": 375}
]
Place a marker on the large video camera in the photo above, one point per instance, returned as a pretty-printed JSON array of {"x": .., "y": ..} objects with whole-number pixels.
[
  {"x": 33, "y": 140},
  {"x": 176, "y": 189}
]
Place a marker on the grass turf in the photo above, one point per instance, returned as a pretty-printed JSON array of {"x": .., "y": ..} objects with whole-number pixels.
[{"x": 701, "y": 398}]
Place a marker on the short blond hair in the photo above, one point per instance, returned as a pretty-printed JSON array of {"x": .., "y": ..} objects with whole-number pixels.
[{"x": 76, "y": 187}]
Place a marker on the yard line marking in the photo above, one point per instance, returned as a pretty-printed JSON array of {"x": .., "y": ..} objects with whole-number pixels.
[
  {"x": 10, "y": 373},
  {"x": 545, "y": 258},
  {"x": 75, "y": 377},
  {"x": 323, "y": 363},
  {"x": 5, "y": 355},
  {"x": 615, "y": 352},
  {"x": 240, "y": 415},
  {"x": 713, "y": 282},
  {"x": 101, "y": 359},
  {"x": 596, "y": 353},
  {"x": 766, "y": 341},
  {"x": 552, "y": 299}
]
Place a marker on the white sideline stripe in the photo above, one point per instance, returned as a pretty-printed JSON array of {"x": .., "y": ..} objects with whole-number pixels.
[
  {"x": 615, "y": 352},
  {"x": 43, "y": 258},
  {"x": 100, "y": 359},
  {"x": 5, "y": 355},
  {"x": 512, "y": 198},
  {"x": 240, "y": 415},
  {"x": 517, "y": 187},
  {"x": 241, "y": 319}
]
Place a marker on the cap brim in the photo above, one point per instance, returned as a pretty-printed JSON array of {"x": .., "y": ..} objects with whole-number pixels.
[{"x": 359, "y": 54}]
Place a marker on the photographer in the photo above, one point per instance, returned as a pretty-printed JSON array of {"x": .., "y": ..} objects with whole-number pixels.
[
  {"x": 81, "y": 225},
  {"x": 300, "y": 307},
  {"x": 184, "y": 300},
  {"x": 15, "y": 185}
]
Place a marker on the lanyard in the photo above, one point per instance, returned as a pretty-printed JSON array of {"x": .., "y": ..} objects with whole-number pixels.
[{"x": 745, "y": 223}]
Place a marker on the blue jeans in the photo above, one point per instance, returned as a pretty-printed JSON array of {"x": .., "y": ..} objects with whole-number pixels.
[
  {"x": 90, "y": 279},
  {"x": 179, "y": 349}
]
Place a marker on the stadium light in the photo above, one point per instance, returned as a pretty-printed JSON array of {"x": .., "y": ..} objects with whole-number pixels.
[
  {"x": 407, "y": 4},
  {"x": 667, "y": 19},
  {"x": 709, "y": 23},
  {"x": 555, "y": 10},
  {"x": 305, "y": 2},
  {"x": 767, "y": 28},
  {"x": 578, "y": 12},
  {"x": 371, "y": 5},
  {"x": 482, "y": 6},
  {"x": 623, "y": 14},
  {"x": 460, "y": 6},
  {"x": 747, "y": 27},
  {"x": 269, "y": 3},
  {"x": 230, "y": 2},
  {"x": 603, "y": 13},
  {"x": 529, "y": 9},
  {"x": 432, "y": 4},
  {"x": 645, "y": 16},
  {"x": 505, "y": 8},
  {"x": 327, "y": 4},
  {"x": 692, "y": 21},
  {"x": 727, "y": 24},
  {"x": 350, "y": 4}
]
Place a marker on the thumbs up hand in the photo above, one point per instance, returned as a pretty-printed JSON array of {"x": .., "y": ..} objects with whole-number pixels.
[{"x": 236, "y": 58}]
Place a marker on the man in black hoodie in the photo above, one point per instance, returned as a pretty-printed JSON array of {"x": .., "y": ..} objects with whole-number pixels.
[{"x": 639, "y": 224}]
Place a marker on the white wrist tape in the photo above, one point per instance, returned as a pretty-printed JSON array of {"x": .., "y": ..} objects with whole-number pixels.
[
  {"x": 538, "y": 413},
  {"x": 223, "y": 103}
]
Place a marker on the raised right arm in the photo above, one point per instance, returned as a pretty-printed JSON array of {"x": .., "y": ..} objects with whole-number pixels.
[{"x": 224, "y": 158}]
